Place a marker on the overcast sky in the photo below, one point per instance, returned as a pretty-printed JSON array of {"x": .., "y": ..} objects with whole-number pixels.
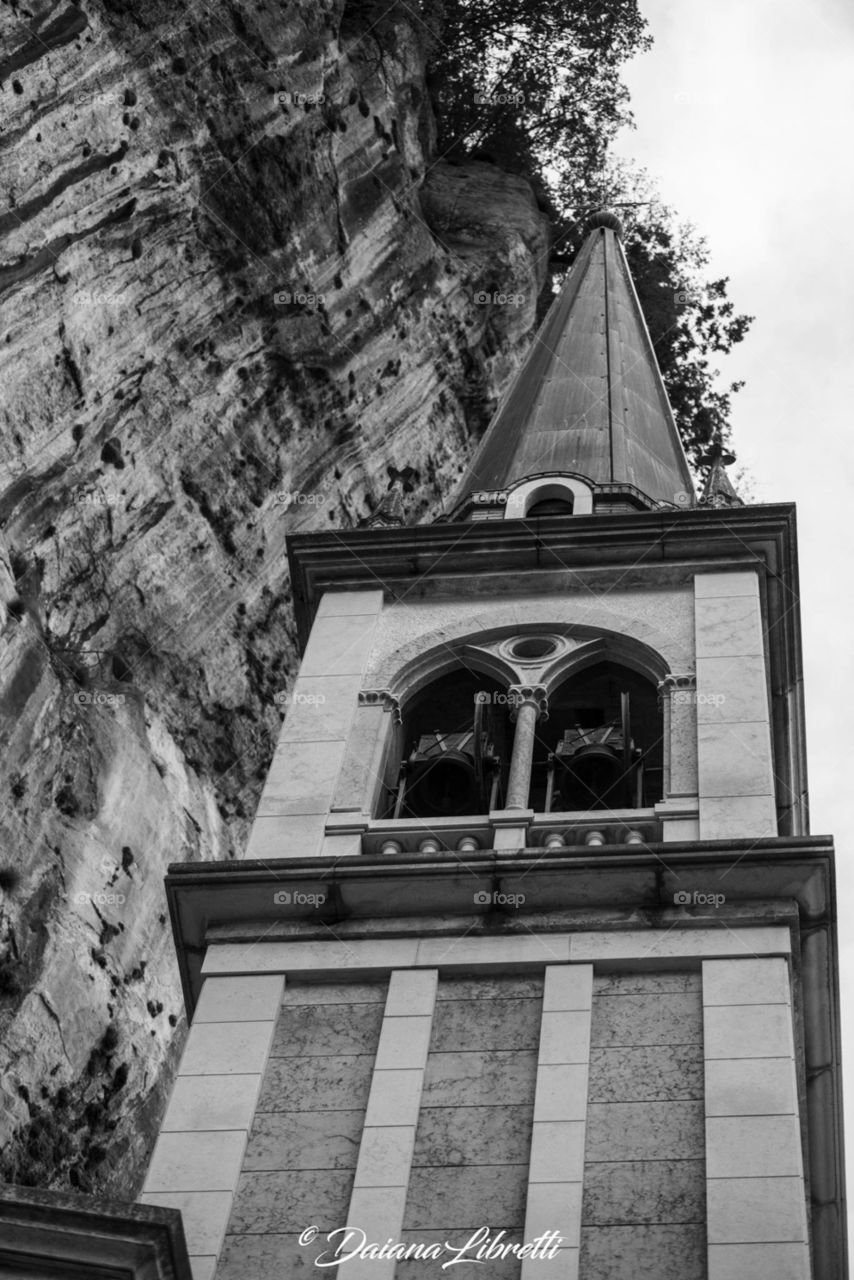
[{"x": 745, "y": 115}]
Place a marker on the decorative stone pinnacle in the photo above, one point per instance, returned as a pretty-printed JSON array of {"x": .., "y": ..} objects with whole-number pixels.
[{"x": 718, "y": 490}]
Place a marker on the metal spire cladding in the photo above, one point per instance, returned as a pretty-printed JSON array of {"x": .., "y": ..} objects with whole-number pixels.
[{"x": 588, "y": 399}]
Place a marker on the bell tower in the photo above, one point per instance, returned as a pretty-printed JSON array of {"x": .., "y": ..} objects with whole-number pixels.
[{"x": 531, "y": 961}]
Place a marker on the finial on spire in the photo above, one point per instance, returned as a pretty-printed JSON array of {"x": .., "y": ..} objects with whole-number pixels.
[
  {"x": 718, "y": 490},
  {"x": 605, "y": 218}
]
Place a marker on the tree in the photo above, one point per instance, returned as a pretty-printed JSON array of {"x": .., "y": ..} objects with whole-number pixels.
[{"x": 534, "y": 85}]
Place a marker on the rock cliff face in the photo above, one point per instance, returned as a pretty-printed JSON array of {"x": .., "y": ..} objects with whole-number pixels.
[{"x": 240, "y": 296}]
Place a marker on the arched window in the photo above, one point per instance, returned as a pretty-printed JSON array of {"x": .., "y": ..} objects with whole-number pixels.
[
  {"x": 549, "y": 496},
  {"x": 602, "y": 745},
  {"x": 551, "y": 507},
  {"x": 451, "y": 754}
]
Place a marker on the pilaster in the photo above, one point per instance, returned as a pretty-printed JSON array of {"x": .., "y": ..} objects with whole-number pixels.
[{"x": 199, "y": 1154}]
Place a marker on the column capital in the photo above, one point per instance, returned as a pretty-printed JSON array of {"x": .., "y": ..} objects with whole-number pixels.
[
  {"x": 532, "y": 695},
  {"x": 674, "y": 683},
  {"x": 381, "y": 698}
]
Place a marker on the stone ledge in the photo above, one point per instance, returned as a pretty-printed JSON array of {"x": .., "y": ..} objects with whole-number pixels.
[{"x": 61, "y": 1235}]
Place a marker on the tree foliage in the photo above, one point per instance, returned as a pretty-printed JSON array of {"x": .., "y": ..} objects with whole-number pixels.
[
  {"x": 537, "y": 82},
  {"x": 691, "y": 321},
  {"x": 534, "y": 85}
]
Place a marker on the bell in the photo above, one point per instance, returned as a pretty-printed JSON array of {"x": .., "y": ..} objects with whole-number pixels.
[
  {"x": 442, "y": 777},
  {"x": 594, "y": 779},
  {"x": 594, "y": 772}
]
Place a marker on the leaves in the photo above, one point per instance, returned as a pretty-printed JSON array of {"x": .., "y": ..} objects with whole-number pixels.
[
  {"x": 534, "y": 85},
  {"x": 534, "y": 79}
]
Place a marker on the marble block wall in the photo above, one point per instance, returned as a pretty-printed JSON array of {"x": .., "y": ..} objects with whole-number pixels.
[
  {"x": 300, "y": 1160},
  {"x": 473, "y": 1141},
  {"x": 643, "y": 1208},
  {"x": 734, "y": 747}
]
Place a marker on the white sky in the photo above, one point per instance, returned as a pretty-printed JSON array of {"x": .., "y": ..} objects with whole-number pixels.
[{"x": 745, "y": 116}]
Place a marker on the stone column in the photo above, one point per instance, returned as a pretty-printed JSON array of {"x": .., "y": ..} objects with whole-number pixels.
[
  {"x": 679, "y": 806},
  {"x": 529, "y": 705}
]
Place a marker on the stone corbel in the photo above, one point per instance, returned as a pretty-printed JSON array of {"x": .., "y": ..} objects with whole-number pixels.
[{"x": 381, "y": 698}]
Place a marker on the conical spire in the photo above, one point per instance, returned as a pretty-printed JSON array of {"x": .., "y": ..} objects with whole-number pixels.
[{"x": 588, "y": 400}]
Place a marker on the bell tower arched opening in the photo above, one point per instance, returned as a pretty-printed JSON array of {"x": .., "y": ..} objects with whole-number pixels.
[
  {"x": 451, "y": 749},
  {"x": 602, "y": 745}
]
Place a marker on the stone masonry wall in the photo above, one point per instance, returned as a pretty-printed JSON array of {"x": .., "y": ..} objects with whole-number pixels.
[
  {"x": 644, "y": 1205},
  {"x": 301, "y": 1159},
  {"x": 473, "y": 1143}
]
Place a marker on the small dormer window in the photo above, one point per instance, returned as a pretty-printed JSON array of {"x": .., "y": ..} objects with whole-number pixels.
[{"x": 549, "y": 496}]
